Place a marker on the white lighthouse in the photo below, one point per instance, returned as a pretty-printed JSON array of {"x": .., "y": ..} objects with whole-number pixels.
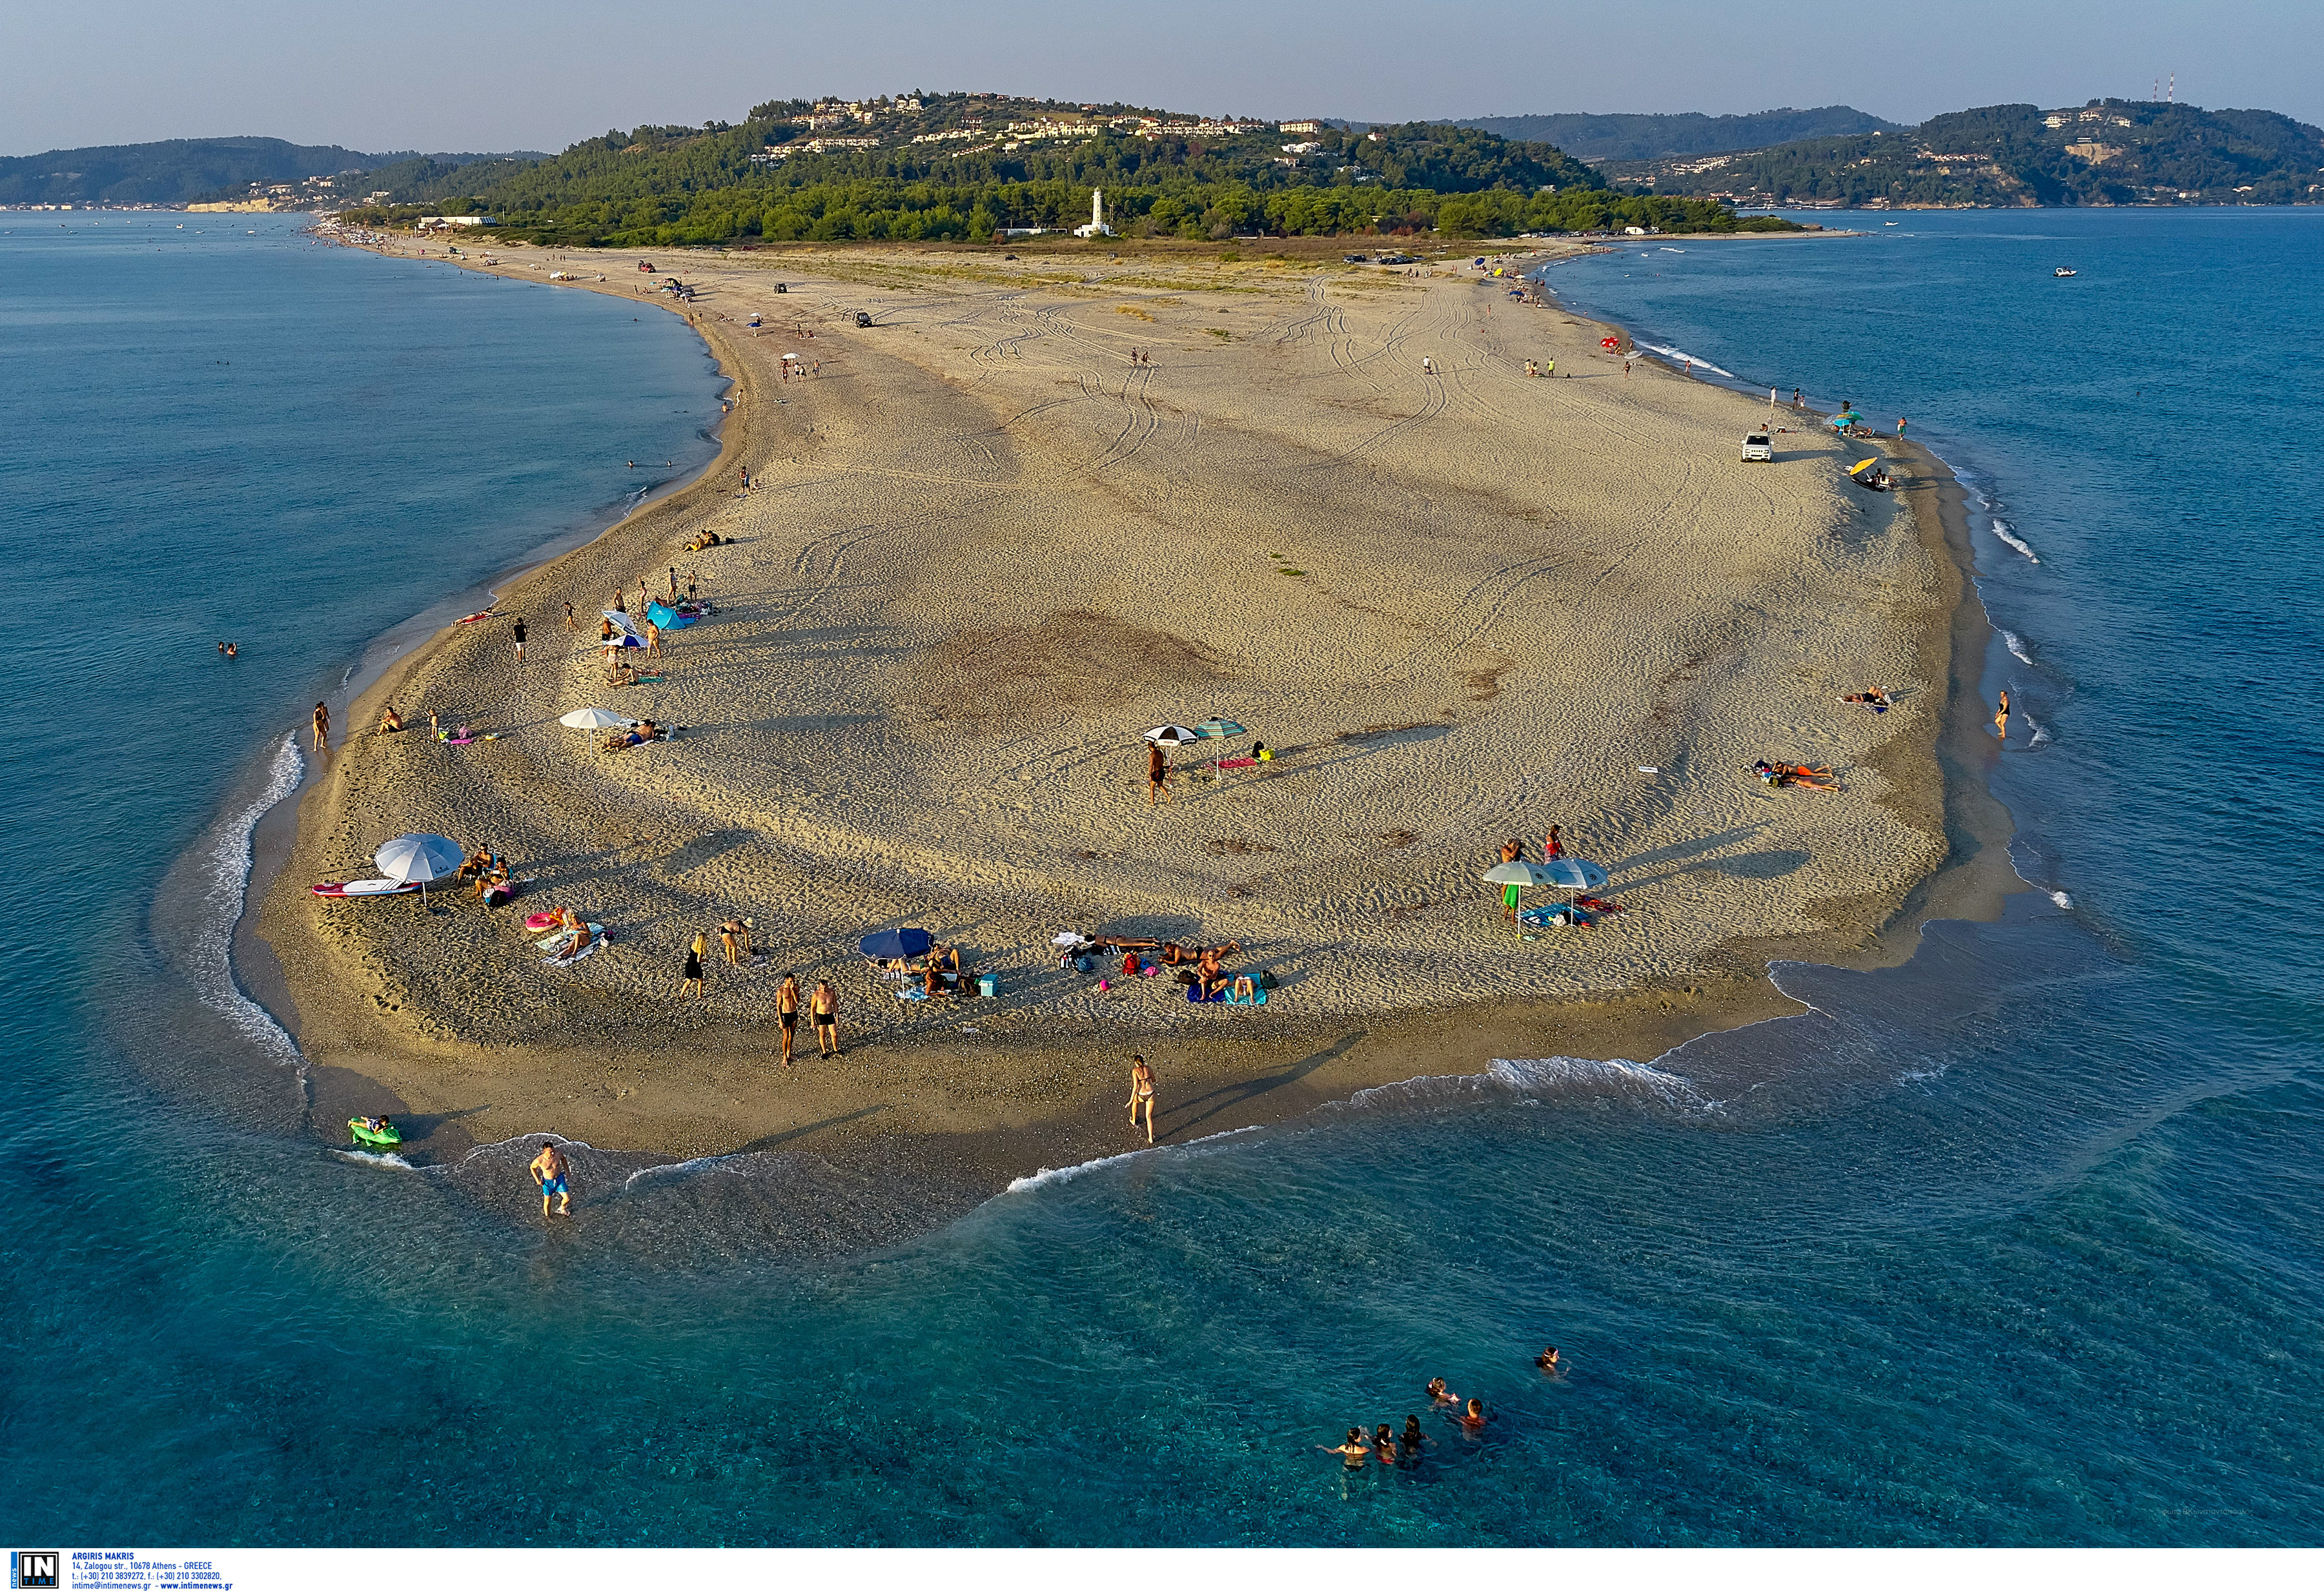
[{"x": 1097, "y": 227}]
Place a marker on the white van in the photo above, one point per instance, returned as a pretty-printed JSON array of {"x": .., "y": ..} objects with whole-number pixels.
[{"x": 1758, "y": 448}]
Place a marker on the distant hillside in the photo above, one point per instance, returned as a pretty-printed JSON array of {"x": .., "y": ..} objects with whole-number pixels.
[
  {"x": 966, "y": 166},
  {"x": 1653, "y": 138},
  {"x": 2106, "y": 152},
  {"x": 180, "y": 171}
]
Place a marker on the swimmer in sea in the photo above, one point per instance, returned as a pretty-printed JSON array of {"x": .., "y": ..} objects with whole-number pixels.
[
  {"x": 1412, "y": 1440},
  {"x": 1547, "y": 1360},
  {"x": 1472, "y": 1421},
  {"x": 1384, "y": 1445},
  {"x": 1353, "y": 1451},
  {"x": 550, "y": 1167},
  {"x": 1438, "y": 1392}
]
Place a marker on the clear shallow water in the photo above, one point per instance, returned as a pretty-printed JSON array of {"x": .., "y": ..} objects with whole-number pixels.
[{"x": 2020, "y": 1243}]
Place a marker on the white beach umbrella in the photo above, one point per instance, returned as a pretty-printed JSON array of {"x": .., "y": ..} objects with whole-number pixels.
[
  {"x": 1172, "y": 736},
  {"x": 593, "y": 719},
  {"x": 1574, "y": 874},
  {"x": 1570, "y": 874},
  {"x": 421, "y": 858}
]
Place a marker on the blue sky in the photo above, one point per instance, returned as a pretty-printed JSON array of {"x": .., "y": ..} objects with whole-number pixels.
[{"x": 503, "y": 73}]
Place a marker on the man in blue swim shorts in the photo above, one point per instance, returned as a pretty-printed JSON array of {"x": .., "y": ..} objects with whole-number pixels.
[{"x": 550, "y": 1168}]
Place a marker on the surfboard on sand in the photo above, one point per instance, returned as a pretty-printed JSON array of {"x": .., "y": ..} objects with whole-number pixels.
[{"x": 364, "y": 887}]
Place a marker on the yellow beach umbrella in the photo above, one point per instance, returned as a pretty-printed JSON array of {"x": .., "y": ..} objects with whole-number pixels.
[{"x": 1858, "y": 469}]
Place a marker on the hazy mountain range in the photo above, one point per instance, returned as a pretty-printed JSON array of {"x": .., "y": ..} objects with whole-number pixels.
[
  {"x": 1614, "y": 137},
  {"x": 176, "y": 170}
]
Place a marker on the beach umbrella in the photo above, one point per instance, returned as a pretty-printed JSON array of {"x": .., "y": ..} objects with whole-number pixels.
[
  {"x": 593, "y": 719},
  {"x": 1215, "y": 729},
  {"x": 421, "y": 858},
  {"x": 1570, "y": 874},
  {"x": 1173, "y": 735},
  {"x": 1573, "y": 874},
  {"x": 882, "y": 944},
  {"x": 1861, "y": 465}
]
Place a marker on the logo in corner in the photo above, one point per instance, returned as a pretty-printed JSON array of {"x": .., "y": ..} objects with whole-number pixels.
[{"x": 33, "y": 1569}]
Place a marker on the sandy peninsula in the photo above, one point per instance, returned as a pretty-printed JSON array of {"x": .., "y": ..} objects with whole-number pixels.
[{"x": 1037, "y": 507}]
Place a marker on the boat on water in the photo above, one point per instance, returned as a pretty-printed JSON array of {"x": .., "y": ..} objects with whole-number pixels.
[{"x": 2064, "y": 271}]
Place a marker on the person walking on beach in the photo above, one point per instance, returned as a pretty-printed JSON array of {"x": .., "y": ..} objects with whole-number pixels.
[
  {"x": 1157, "y": 775},
  {"x": 823, "y": 1007},
  {"x": 653, "y": 639},
  {"x": 571, "y": 624},
  {"x": 2000, "y": 716},
  {"x": 1141, "y": 1096},
  {"x": 1551, "y": 845},
  {"x": 673, "y": 583},
  {"x": 322, "y": 728},
  {"x": 1900, "y": 428},
  {"x": 550, "y": 1169},
  {"x": 786, "y": 1012},
  {"x": 519, "y": 629},
  {"x": 690, "y": 983}
]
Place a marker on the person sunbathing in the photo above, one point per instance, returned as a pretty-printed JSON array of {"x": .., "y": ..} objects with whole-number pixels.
[
  {"x": 1877, "y": 700},
  {"x": 390, "y": 721},
  {"x": 1208, "y": 975}
]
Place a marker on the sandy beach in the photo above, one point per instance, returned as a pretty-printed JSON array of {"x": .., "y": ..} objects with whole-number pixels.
[{"x": 984, "y": 548}]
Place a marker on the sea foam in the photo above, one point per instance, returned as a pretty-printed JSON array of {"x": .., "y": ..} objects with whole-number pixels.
[
  {"x": 227, "y": 867},
  {"x": 1682, "y": 356},
  {"x": 2001, "y": 530}
]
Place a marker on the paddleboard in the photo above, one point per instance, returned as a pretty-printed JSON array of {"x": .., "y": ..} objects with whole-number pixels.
[{"x": 364, "y": 887}]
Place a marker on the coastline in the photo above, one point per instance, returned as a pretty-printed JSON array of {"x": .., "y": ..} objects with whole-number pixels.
[{"x": 1008, "y": 1104}]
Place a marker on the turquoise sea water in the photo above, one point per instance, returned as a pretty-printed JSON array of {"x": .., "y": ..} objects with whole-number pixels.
[{"x": 2019, "y": 1243}]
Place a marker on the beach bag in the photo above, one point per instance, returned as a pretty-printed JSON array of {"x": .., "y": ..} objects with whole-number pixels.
[
  {"x": 1267, "y": 980},
  {"x": 1082, "y": 964}
]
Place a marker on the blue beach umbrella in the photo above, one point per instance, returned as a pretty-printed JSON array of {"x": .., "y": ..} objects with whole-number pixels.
[{"x": 883, "y": 945}]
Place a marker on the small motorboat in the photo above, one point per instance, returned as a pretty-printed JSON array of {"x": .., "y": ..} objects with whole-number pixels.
[{"x": 2064, "y": 271}]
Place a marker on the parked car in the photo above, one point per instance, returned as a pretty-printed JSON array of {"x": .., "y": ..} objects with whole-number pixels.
[
  {"x": 1758, "y": 448},
  {"x": 1355, "y": 260},
  {"x": 864, "y": 318}
]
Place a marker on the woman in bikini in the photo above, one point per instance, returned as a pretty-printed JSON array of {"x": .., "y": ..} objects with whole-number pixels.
[{"x": 1141, "y": 1096}]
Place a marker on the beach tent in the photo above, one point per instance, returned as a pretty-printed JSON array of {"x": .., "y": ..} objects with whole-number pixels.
[
  {"x": 883, "y": 945},
  {"x": 1173, "y": 735},
  {"x": 667, "y": 618},
  {"x": 594, "y": 719},
  {"x": 419, "y": 858}
]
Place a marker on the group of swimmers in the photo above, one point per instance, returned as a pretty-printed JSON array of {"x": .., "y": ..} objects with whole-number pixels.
[
  {"x": 1387, "y": 1448},
  {"x": 229, "y": 651}
]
